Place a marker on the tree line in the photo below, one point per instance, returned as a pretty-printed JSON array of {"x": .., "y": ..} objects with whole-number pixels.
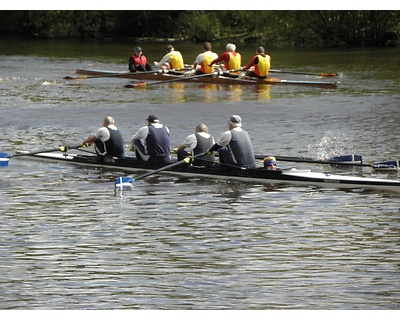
[{"x": 375, "y": 28}]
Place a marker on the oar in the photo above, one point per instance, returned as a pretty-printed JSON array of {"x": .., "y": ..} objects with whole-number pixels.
[
  {"x": 305, "y": 73},
  {"x": 119, "y": 74},
  {"x": 123, "y": 182},
  {"x": 4, "y": 155},
  {"x": 310, "y": 160},
  {"x": 171, "y": 80},
  {"x": 332, "y": 84}
]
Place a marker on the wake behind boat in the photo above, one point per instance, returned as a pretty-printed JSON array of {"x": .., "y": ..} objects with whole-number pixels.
[
  {"x": 216, "y": 79},
  {"x": 220, "y": 172}
]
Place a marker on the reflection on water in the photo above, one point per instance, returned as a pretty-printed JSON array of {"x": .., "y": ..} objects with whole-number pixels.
[
  {"x": 186, "y": 243},
  {"x": 178, "y": 92},
  {"x": 161, "y": 247},
  {"x": 263, "y": 92}
]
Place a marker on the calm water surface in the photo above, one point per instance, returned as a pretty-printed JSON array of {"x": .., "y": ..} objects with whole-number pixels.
[{"x": 171, "y": 243}]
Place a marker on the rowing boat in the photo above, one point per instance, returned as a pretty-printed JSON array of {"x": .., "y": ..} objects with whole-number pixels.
[
  {"x": 159, "y": 76},
  {"x": 221, "y": 172}
]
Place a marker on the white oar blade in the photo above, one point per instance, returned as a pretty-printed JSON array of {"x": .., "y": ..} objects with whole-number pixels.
[{"x": 123, "y": 183}]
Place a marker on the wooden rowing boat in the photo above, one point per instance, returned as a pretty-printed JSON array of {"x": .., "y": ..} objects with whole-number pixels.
[
  {"x": 159, "y": 76},
  {"x": 221, "y": 172}
]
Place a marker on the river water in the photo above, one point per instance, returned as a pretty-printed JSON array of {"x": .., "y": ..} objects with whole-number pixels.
[{"x": 66, "y": 242}]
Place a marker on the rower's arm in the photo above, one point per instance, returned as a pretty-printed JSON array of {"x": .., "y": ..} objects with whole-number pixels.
[{"x": 215, "y": 147}]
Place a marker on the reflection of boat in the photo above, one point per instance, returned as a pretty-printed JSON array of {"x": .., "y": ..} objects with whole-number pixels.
[
  {"x": 221, "y": 172},
  {"x": 159, "y": 76}
]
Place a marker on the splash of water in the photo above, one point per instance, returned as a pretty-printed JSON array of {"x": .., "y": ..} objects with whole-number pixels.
[{"x": 331, "y": 144}]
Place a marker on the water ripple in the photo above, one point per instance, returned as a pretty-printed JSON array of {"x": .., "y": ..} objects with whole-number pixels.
[{"x": 66, "y": 242}]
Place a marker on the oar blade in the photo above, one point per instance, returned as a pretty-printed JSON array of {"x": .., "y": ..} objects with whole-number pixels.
[
  {"x": 329, "y": 74},
  {"x": 135, "y": 85},
  {"x": 4, "y": 162},
  {"x": 347, "y": 159},
  {"x": 75, "y": 78},
  {"x": 5, "y": 155},
  {"x": 386, "y": 166},
  {"x": 123, "y": 183},
  {"x": 5, "y": 159}
]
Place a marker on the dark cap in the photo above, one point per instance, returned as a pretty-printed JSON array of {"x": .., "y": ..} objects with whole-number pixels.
[
  {"x": 170, "y": 47},
  {"x": 137, "y": 49},
  {"x": 260, "y": 49},
  {"x": 152, "y": 118},
  {"x": 235, "y": 119}
]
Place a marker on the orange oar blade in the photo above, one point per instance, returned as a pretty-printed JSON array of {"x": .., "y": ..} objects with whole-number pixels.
[
  {"x": 142, "y": 84},
  {"x": 75, "y": 78},
  {"x": 328, "y": 74}
]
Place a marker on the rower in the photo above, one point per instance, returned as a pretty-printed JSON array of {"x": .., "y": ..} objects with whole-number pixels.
[
  {"x": 232, "y": 60},
  {"x": 198, "y": 143},
  {"x": 107, "y": 140},
  {"x": 203, "y": 60},
  {"x": 152, "y": 143},
  {"x": 259, "y": 65},
  {"x": 234, "y": 146},
  {"x": 173, "y": 60}
]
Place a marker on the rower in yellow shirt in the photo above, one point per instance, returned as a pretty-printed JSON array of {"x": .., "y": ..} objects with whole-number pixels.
[
  {"x": 259, "y": 65},
  {"x": 173, "y": 61},
  {"x": 232, "y": 61}
]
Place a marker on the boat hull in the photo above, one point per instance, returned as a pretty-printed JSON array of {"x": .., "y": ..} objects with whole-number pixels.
[
  {"x": 255, "y": 176},
  {"x": 158, "y": 76}
]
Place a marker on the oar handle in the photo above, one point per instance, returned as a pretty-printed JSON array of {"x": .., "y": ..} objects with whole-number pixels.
[{"x": 235, "y": 70}]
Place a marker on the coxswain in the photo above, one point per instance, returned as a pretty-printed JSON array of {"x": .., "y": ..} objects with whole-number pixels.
[{"x": 138, "y": 61}]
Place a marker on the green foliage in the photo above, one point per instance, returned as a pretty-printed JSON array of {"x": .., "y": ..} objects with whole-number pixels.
[
  {"x": 66, "y": 24},
  {"x": 297, "y": 28},
  {"x": 354, "y": 28},
  {"x": 200, "y": 25},
  {"x": 140, "y": 24}
]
